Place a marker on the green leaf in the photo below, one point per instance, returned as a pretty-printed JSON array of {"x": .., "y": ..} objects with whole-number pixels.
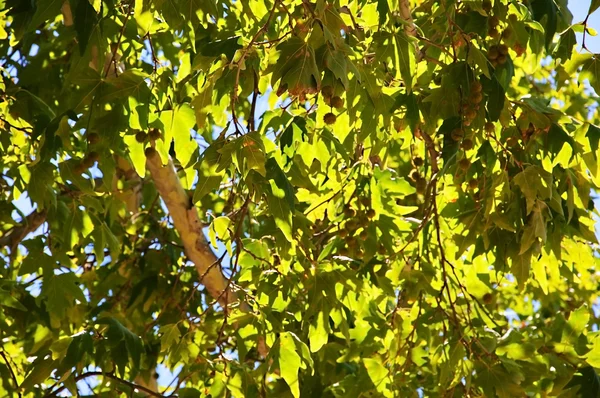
[
  {"x": 117, "y": 333},
  {"x": 593, "y": 135},
  {"x": 556, "y": 139},
  {"x": 594, "y": 4},
  {"x": 593, "y": 356},
  {"x": 296, "y": 69},
  {"x": 253, "y": 153},
  {"x": 219, "y": 228},
  {"x": 130, "y": 83},
  {"x": 567, "y": 41},
  {"x": 520, "y": 268},
  {"x": 545, "y": 12},
  {"x": 85, "y": 19},
  {"x": 209, "y": 178},
  {"x": 585, "y": 382},
  {"x": 536, "y": 227},
  {"x": 136, "y": 154},
  {"x": 280, "y": 186},
  {"x": 177, "y": 126},
  {"x": 289, "y": 362},
  {"x": 318, "y": 334},
  {"x": 577, "y": 323},
  {"x": 280, "y": 210},
  {"x": 535, "y": 183},
  {"x": 496, "y": 97},
  {"x": 383, "y": 9},
  {"x": 7, "y": 299},
  {"x": 80, "y": 345},
  {"x": 170, "y": 336},
  {"x": 42, "y": 368},
  {"x": 590, "y": 69},
  {"x": 477, "y": 57},
  {"x": 36, "y": 259},
  {"x": 61, "y": 291},
  {"x": 378, "y": 373},
  {"x": 45, "y": 10}
]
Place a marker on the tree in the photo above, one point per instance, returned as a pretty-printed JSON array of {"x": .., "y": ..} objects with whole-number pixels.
[{"x": 296, "y": 198}]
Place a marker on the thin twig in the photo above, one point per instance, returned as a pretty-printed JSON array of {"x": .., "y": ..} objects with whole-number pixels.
[
  {"x": 116, "y": 47},
  {"x": 12, "y": 373},
  {"x": 262, "y": 30},
  {"x": 252, "y": 117},
  {"x": 110, "y": 376}
]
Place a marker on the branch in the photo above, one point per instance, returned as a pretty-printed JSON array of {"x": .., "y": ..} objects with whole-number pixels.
[
  {"x": 188, "y": 224},
  {"x": 65, "y": 9},
  {"x": 133, "y": 194},
  {"x": 12, "y": 373},
  {"x": 262, "y": 30},
  {"x": 405, "y": 13},
  {"x": 107, "y": 375},
  {"x": 14, "y": 236}
]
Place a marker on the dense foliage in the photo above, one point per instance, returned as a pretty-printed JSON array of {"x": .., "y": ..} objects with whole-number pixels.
[{"x": 396, "y": 197}]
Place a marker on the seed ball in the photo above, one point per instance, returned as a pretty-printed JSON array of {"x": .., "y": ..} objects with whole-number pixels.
[
  {"x": 502, "y": 59},
  {"x": 327, "y": 91},
  {"x": 471, "y": 114},
  {"x": 140, "y": 137},
  {"x": 342, "y": 233},
  {"x": 154, "y": 134},
  {"x": 418, "y": 161},
  {"x": 336, "y": 102},
  {"x": 381, "y": 250},
  {"x": 476, "y": 87},
  {"x": 329, "y": 118},
  {"x": 489, "y": 127},
  {"x": 493, "y": 33},
  {"x": 349, "y": 212},
  {"x": 457, "y": 135},
  {"x": 343, "y": 251},
  {"x": 93, "y": 138},
  {"x": 371, "y": 213},
  {"x": 149, "y": 152},
  {"x": 364, "y": 234},
  {"x": 467, "y": 144},
  {"x": 473, "y": 183},
  {"x": 503, "y": 49},
  {"x": 493, "y": 53},
  {"x": 464, "y": 164},
  {"x": 414, "y": 175},
  {"x": 487, "y": 298},
  {"x": 476, "y": 98}
]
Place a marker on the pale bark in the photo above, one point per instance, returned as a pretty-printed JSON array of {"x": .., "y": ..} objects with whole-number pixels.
[
  {"x": 188, "y": 224},
  {"x": 406, "y": 15},
  {"x": 13, "y": 237},
  {"x": 131, "y": 196},
  {"x": 67, "y": 14}
]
